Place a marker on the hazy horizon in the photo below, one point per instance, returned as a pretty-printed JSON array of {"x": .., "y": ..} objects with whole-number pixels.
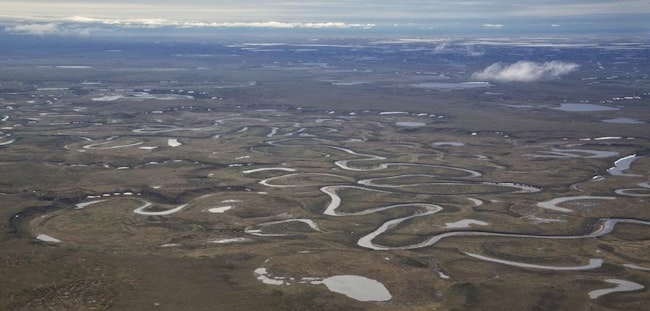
[{"x": 33, "y": 17}]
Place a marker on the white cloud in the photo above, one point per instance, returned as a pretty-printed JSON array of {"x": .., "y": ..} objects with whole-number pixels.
[
  {"x": 41, "y": 29},
  {"x": 493, "y": 25},
  {"x": 34, "y": 29},
  {"x": 274, "y": 24},
  {"x": 80, "y": 25},
  {"x": 83, "y": 19},
  {"x": 524, "y": 71},
  {"x": 141, "y": 22}
]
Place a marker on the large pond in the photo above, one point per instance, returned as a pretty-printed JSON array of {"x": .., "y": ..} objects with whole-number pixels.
[
  {"x": 358, "y": 287},
  {"x": 584, "y": 107},
  {"x": 623, "y": 121},
  {"x": 354, "y": 286},
  {"x": 450, "y": 86},
  {"x": 410, "y": 124}
]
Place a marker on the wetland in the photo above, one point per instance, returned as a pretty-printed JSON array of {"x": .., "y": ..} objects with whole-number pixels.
[{"x": 247, "y": 178}]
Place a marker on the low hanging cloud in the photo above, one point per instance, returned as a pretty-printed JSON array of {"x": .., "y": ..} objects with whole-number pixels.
[
  {"x": 274, "y": 24},
  {"x": 83, "y": 26},
  {"x": 34, "y": 29},
  {"x": 155, "y": 23},
  {"x": 493, "y": 25},
  {"x": 42, "y": 29},
  {"x": 524, "y": 71}
]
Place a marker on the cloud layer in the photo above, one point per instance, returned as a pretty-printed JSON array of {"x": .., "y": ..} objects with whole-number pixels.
[
  {"x": 79, "y": 25},
  {"x": 34, "y": 29},
  {"x": 42, "y": 29},
  {"x": 158, "y": 22},
  {"x": 523, "y": 71},
  {"x": 493, "y": 25}
]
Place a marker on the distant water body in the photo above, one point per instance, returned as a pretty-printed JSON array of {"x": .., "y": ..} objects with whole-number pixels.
[
  {"x": 450, "y": 86},
  {"x": 623, "y": 121},
  {"x": 410, "y": 124},
  {"x": 584, "y": 107}
]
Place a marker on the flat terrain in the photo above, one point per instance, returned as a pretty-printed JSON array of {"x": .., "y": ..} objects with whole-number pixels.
[{"x": 213, "y": 176}]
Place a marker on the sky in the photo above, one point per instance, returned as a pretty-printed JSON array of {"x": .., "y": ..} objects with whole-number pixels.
[{"x": 78, "y": 17}]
